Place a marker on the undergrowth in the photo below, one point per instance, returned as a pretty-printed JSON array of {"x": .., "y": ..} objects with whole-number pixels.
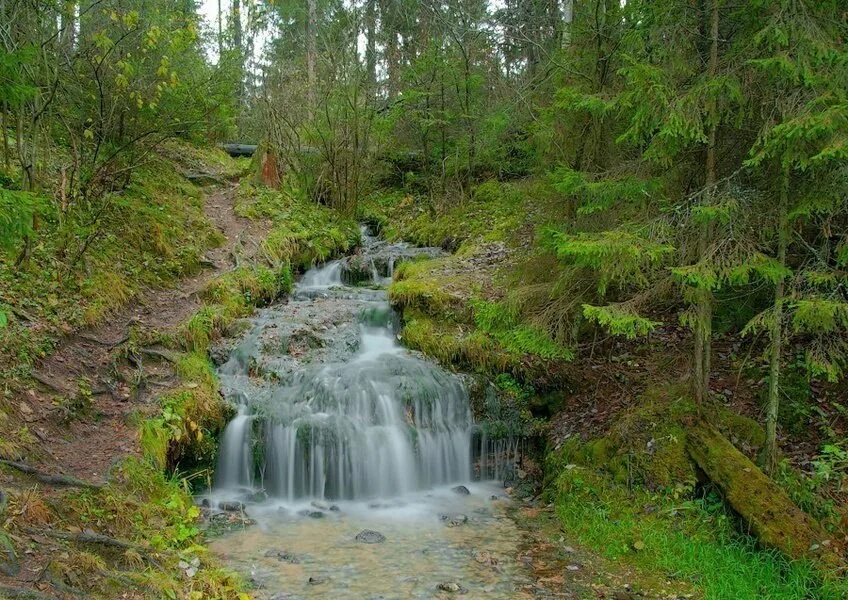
[{"x": 84, "y": 266}]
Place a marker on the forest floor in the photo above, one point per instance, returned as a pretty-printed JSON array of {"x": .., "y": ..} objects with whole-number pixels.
[{"x": 87, "y": 448}]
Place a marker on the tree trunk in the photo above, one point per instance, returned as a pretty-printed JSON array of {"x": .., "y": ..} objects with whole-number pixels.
[
  {"x": 68, "y": 24},
  {"x": 220, "y": 33},
  {"x": 703, "y": 327},
  {"x": 371, "y": 43},
  {"x": 311, "y": 49},
  {"x": 568, "y": 21},
  {"x": 236, "y": 25},
  {"x": 4, "y": 124},
  {"x": 770, "y": 451},
  {"x": 392, "y": 50}
]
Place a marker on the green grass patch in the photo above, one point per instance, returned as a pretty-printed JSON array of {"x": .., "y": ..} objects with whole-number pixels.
[{"x": 682, "y": 539}]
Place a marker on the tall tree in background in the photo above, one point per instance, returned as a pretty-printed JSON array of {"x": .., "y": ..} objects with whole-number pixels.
[{"x": 800, "y": 83}]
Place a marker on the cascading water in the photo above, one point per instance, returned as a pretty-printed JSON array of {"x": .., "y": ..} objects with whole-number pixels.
[
  {"x": 339, "y": 429},
  {"x": 343, "y": 411}
]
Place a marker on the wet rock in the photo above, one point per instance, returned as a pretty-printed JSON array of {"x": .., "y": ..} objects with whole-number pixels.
[
  {"x": 317, "y": 580},
  {"x": 312, "y": 514},
  {"x": 319, "y": 505},
  {"x": 369, "y": 536},
  {"x": 231, "y": 506},
  {"x": 282, "y": 556},
  {"x": 220, "y": 354},
  {"x": 258, "y": 496},
  {"x": 454, "y": 520},
  {"x": 451, "y": 587},
  {"x": 335, "y": 508},
  {"x": 205, "y": 503},
  {"x": 461, "y": 490}
]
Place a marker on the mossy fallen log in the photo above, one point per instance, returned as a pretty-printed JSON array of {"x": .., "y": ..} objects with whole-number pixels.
[{"x": 769, "y": 513}]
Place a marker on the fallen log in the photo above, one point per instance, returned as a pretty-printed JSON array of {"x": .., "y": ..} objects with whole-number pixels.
[
  {"x": 60, "y": 480},
  {"x": 767, "y": 510}
]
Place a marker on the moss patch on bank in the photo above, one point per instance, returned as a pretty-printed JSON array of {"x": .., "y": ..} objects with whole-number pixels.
[{"x": 304, "y": 233}]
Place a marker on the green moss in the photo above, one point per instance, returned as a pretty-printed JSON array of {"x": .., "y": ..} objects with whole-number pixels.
[
  {"x": 493, "y": 213},
  {"x": 303, "y": 232}
]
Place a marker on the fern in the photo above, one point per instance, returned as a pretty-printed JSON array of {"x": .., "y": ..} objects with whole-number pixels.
[{"x": 516, "y": 337}]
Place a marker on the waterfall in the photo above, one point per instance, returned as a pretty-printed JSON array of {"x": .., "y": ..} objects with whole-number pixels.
[{"x": 344, "y": 413}]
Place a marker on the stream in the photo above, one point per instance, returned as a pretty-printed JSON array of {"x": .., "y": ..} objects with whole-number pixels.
[{"x": 359, "y": 461}]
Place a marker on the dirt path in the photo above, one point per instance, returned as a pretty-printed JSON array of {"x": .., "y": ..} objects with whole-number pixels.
[{"x": 87, "y": 447}]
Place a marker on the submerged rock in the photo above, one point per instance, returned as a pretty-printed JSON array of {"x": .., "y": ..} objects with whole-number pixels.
[
  {"x": 368, "y": 536},
  {"x": 451, "y": 587},
  {"x": 282, "y": 556},
  {"x": 317, "y": 580},
  {"x": 454, "y": 520},
  {"x": 461, "y": 490}
]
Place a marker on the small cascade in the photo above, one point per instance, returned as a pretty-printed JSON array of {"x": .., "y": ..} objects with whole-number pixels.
[
  {"x": 331, "y": 406},
  {"x": 234, "y": 465},
  {"x": 326, "y": 276}
]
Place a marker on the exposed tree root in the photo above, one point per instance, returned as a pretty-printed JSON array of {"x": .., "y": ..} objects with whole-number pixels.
[
  {"x": 46, "y": 382},
  {"x": 14, "y": 593},
  {"x": 94, "y": 340},
  {"x": 159, "y": 354},
  {"x": 90, "y": 537},
  {"x": 60, "y": 480}
]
